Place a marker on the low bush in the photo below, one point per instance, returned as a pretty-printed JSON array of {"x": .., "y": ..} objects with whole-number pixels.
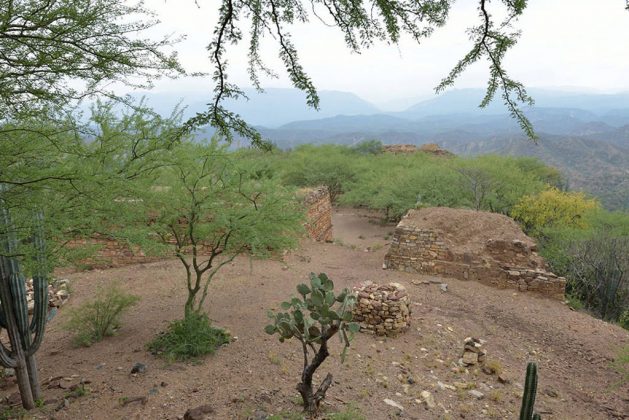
[
  {"x": 624, "y": 319},
  {"x": 189, "y": 338},
  {"x": 99, "y": 318}
]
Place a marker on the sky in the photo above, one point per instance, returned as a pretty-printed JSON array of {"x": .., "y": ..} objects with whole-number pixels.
[{"x": 572, "y": 45}]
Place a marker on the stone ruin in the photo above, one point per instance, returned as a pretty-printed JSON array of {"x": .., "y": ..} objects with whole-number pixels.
[
  {"x": 58, "y": 294},
  {"x": 318, "y": 213},
  {"x": 431, "y": 148},
  {"x": 471, "y": 245},
  {"x": 435, "y": 149},
  {"x": 112, "y": 253},
  {"x": 399, "y": 148},
  {"x": 382, "y": 309}
]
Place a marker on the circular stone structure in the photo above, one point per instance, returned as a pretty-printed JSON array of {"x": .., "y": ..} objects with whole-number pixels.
[{"x": 382, "y": 309}]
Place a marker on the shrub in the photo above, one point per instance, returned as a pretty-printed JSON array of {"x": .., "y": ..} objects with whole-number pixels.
[
  {"x": 313, "y": 320},
  {"x": 624, "y": 319},
  {"x": 189, "y": 338},
  {"x": 99, "y": 318},
  {"x": 599, "y": 274},
  {"x": 329, "y": 165},
  {"x": 554, "y": 208},
  {"x": 368, "y": 147}
]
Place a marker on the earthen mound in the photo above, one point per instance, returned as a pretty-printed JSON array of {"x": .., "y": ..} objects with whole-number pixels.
[
  {"x": 465, "y": 230},
  {"x": 471, "y": 245}
]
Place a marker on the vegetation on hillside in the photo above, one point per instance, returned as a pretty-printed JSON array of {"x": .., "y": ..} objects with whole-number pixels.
[{"x": 579, "y": 239}]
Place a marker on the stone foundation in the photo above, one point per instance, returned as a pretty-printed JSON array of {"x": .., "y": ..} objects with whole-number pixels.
[
  {"x": 503, "y": 262},
  {"x": 382, "y": 310},
  {"x": 113, "y": 253},
  {"x": 318, "y": 213}
]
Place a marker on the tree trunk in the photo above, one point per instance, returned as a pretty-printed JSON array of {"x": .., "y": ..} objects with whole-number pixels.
[{"x": 312, "y": 400}]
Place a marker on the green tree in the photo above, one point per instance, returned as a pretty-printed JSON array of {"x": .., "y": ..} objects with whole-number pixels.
[
  {"x": 76, "y": 173},
  {"x": 55, "y": 52},
  {"x": 329, "y": 165},
  {"x": 368, "y": 147},
  {"x": 207, "y": 209},
  {"x": 496, "y": 183}
]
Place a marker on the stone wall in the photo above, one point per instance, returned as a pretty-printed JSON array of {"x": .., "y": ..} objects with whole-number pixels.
[
  {"x": 382, "y": 310},
  {"x": 112, "y": 253},
  {"x": 499, "y": 262},
  {"x": 318, "y": 213}
]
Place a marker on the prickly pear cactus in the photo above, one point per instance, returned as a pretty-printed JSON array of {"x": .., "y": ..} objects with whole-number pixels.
[{"x": 313, "y": 319}]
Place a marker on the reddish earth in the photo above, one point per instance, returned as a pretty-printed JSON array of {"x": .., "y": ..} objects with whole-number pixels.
[{"x": 256, "y": 372}]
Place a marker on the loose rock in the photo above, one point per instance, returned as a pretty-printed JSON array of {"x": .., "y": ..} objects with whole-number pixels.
[
  {"x": 428, "y": 399},
  {"x": 138, "y": 368},
  {"x": 202, "y": 412},
  {"x": 393, "y": 404}
]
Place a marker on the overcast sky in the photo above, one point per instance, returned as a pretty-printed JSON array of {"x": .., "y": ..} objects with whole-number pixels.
[{"x": 576, "y": 44}]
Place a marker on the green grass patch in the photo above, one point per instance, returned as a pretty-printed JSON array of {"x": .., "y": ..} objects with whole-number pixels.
[
  {"x": 189, "y": 338},
  {"x": 621, "y": 364}
]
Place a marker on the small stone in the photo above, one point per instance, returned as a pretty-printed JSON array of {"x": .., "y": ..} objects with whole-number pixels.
[
  {"x": 392, "y": 403},
  {"x": 461, "y": 385},
  {"x": 443, "y": 287},
  {"x": 63, "y": 294},
  {"x": 417, "y": 282},
  {"x": 428, "y": 399},
  {"x": 503, "y": 379},
  {"x": 476, "y": 394},
  {"x": 202, "y": 412},
  {"x": 445, "y": 386},
  {"x": 259, "y": 415},
  {"x": 138, "y": 368},
  {"x": 470, "y": 358}
]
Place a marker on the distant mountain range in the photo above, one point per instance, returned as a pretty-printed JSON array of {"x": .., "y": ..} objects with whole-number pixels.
[
  {"x": 585, "y": 135},
  {"x": 272, "y": 108}
]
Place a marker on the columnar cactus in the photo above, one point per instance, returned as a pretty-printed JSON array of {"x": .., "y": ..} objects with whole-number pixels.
[
  {"x": 528, "y": 398},
  {"x": 25, "y": 333}
]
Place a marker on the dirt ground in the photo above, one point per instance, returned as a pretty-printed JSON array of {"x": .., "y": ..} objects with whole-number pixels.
[{"x": 256, "y": 373}]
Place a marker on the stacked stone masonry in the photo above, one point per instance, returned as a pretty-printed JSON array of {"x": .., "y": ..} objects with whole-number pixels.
[
  {"x": 112, "y": 253},
  {"x": 382, "y": 309},
  {"x": 501, "y": 262},
  {"x": 318, "y": 213}
]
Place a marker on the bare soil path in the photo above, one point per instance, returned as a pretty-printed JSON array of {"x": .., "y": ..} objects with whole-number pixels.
[{"x": 257, "y": 373}]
